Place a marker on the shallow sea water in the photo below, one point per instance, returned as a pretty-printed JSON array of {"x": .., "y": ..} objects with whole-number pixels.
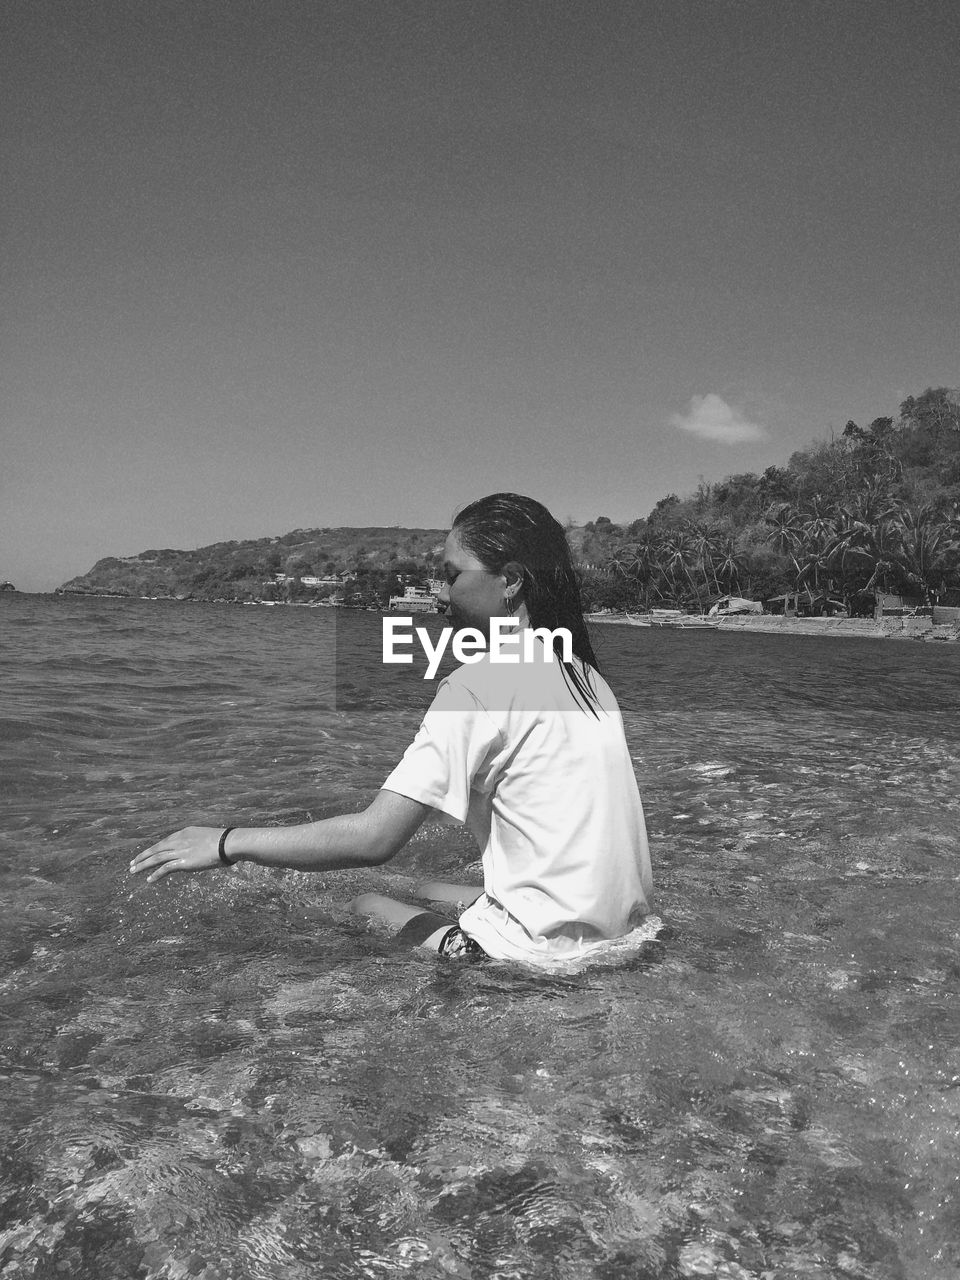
[{"x": 228, "y": 1076}]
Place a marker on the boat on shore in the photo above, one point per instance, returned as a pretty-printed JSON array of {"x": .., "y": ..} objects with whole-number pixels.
[
  {"x": 414, "y": 600},
  {"x": 673, "y": 619}
]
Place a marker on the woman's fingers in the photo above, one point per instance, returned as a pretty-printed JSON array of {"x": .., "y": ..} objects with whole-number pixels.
[
  {"x": 148, "y": 858},
  {"x": 193, "y": 849},
  {"x": 159, "y": 862},
  {"x": 157, "y": 865},
  {"x": 157, "y": 853},
  {"x": 164, "y": 868}
]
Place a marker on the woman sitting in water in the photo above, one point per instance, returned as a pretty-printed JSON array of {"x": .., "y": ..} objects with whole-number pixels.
[{"x": 530, "y": 754}]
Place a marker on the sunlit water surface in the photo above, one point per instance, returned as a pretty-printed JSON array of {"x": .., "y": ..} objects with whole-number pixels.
[{"x": 229, "y": 1076}]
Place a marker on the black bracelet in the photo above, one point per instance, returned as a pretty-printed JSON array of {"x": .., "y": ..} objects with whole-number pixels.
[{"x": 221, "y": 850}]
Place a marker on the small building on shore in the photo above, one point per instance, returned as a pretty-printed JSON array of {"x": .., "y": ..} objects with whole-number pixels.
[
  {"x": 887, "y": 604},
  {"x": 806, "y": 604}
]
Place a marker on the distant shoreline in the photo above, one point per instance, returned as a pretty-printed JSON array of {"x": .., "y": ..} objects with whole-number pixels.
[
  {"x": 912, "y": 628},
  {"x": 922, "y": 629}
]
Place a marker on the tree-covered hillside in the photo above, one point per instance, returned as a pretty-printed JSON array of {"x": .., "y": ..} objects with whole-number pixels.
[
  {"x": 876, "y": 508},
  {"x": 248, "y": 570}
]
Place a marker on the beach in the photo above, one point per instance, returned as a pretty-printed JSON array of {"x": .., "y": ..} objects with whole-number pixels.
[{"x": 925, "y": 629}]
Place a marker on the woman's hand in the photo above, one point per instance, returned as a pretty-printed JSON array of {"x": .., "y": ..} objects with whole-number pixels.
[{"x": 192, "y": 849}]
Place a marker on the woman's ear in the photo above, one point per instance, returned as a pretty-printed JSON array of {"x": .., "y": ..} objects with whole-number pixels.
[{"x": 512, "y": 574}]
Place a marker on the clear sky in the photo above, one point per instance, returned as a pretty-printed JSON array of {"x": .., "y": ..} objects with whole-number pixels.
[{"x": 321, "y": 262}]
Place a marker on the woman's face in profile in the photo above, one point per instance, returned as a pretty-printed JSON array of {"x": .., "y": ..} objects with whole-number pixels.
[{"x": 471, "y": 595}]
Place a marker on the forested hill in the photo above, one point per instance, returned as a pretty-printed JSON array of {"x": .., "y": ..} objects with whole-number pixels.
[
  {"x": 872, "y": 508},
  {"x": 245, "y": 570},
  {"x": 377, "y": 561}
]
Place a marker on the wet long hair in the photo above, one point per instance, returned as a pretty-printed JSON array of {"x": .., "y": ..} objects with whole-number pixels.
[{"x": 507, "y": 527}]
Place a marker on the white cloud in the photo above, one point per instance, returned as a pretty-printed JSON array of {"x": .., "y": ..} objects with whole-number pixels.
[{"x": 713, "y": 419}]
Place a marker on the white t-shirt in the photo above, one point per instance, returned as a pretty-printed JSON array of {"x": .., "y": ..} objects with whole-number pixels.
[{"x": 547, "y": 787}]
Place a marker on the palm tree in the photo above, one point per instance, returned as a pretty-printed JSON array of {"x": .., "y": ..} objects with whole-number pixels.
[
  {"x": 644, "y": 567},
  {"x": 729, "y": 566},
  {"x": 804, "y": 533},
  {"x": 928, "y": 550},
  {"x": 864, "y": 542},
  {"x": 622, "y": 561},
  {"x": 786, "y": 530},
  {"x": 677, "y": 553},
  {"x": 704, "y": 545}
]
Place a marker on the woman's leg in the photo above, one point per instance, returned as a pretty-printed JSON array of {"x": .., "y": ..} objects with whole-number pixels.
[{"x": 398, "y": 915}]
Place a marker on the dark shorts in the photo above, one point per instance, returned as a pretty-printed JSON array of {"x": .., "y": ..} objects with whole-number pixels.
[
  {"x": 454, "y": 944},
  {"x": 458, "y": 945}
]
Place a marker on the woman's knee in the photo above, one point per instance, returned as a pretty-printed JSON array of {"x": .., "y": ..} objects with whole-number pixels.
[{"x": 367, "y": 904}]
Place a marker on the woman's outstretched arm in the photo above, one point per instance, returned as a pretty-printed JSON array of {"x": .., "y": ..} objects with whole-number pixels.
[{"x": 361, "y": 839}]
